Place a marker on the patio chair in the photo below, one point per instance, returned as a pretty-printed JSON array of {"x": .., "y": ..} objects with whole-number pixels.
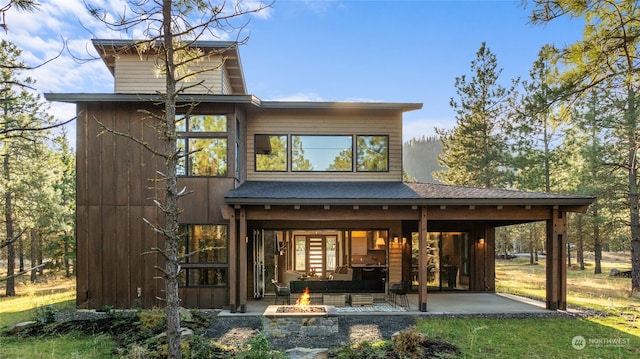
[
  {"x": 282, "y": 291},
  {"x": 399, "y": 291}
]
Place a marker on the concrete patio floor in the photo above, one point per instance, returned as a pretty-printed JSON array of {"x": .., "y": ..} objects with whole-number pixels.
[{"x": 437, "y": 304}]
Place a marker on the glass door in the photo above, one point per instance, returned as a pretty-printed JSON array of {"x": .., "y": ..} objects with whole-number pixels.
[{"x": 448, "y": 260}]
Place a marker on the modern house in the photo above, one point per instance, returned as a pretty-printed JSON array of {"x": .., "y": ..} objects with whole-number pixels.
[{"x": 309, "y": 194}]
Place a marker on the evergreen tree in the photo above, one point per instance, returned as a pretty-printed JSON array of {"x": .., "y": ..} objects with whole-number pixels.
[
  {"x": 606, "y": 57},
  {"x": 532, "y": 129},
  {"x": 475, "y": 151},
  {"x": 420, "y": 159},
  {"x": 171, "y": 29},
  {"x": 23, "y": 152}
]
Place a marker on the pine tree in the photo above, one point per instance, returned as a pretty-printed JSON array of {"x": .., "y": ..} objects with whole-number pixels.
[
  {"x": 606, "y": 57},
  {"x": 172, "y": 28},
  {"x": 475, "y": 152}
]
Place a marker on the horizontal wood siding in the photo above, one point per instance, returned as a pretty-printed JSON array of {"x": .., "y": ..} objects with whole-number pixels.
[
  {"x": 328, "y": 123},
  {"x": 134, "y": 74}
]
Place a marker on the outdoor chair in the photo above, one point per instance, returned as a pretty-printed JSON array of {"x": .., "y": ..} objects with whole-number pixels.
[
  {"x": 398, "y": 291},
  {"x": 282, "y": 291}
]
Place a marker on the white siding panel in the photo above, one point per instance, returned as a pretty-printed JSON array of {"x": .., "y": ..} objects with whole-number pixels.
[
  {"x": 141, "y": 75},
  {"x": 386, "y": 123}
]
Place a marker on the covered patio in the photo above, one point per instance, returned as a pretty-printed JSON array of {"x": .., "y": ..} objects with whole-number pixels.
[
  {"x": 439, "y": 304},
  {"x": 406, "y": 217}
]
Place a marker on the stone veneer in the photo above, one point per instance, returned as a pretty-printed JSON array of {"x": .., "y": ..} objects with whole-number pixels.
[{"x": 309, "y": 324}]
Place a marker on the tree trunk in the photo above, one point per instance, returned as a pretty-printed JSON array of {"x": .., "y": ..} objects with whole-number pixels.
[
  {"x": 8, "y": 218},
  {"x": 172, "y": 265},
  {"x": 65, "y": 254},
  {"x": 531, "y": 246},
  {"x": 20, "y": 255},
  {"x": 597, "y": 241},
  {"x": 568, "y": 255},
  {"x": 34, "y": 272},
  {"x": 39, "y": 252},
  {"x": 633, "y": 192},
  {"x": 580, "y": 253}
]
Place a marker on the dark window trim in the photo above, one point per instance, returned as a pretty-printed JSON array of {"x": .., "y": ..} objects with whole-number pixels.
[
  {"x": 356, "y": 154},
  {"x": 255, "y": 153},
  {"x": 290, "y": 152},
  {"x": 223, "y": 133}
]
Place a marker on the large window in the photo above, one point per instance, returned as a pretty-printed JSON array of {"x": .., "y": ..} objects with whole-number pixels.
[
  {"x": 203, "y": 142},
  {"x": 203, "y": 253},
  {"x": 321, "y": 153}
]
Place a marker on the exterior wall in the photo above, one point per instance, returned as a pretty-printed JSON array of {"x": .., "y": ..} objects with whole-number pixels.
[
  {"x": 113, "y": 197},
  {"x": 328, "y": 122},
  {"x": 135, "y": 74},
  {"x": 111, "y": 202}
]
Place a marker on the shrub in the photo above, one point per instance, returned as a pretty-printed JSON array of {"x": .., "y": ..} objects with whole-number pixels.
[
  {"x": 364, "y": 349},
  {"x": 408, "y": 343},
  {"x": 259, "y": 348},
  {"x": 45, "y": 315},
  {"x": 153, "y": 320}
]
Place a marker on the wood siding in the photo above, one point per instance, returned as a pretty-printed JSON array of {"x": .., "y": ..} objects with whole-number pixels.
[
  {"x": 135, "y": 74},
  {"x": 328, "y": 122},
  {"x": 114, "y": 194}
]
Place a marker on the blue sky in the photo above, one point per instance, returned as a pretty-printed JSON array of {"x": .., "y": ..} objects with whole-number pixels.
[{"x": 390, "y": 51}]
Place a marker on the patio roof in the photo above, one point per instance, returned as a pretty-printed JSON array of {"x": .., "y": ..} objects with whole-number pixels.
[{"x": 388, "y": 193}]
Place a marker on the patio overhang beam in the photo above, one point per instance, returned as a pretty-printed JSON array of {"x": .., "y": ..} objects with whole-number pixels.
[
  {"x": 570, "y": 204},
  {"x": 317, "y": 212}
]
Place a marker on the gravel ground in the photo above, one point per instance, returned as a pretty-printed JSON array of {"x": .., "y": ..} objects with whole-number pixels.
[{"x": 353, "y": 329}]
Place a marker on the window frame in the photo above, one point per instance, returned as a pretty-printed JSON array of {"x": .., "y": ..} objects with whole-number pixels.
[
  {"x": 187, "y": 266},
  {"x": 185, "y": 135},
  {"x": 287, "y": 164},
  {"x": 357, "y": 157}
]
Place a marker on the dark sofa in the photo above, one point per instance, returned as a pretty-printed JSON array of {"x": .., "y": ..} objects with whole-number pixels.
[{"x": 337, "y": 286}]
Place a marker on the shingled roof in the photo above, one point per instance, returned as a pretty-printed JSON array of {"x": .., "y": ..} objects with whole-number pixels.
[{"x": 388, "y": 193}]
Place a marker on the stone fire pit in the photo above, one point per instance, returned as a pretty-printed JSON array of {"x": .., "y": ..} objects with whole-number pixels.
[{"x": 292, "y": 320}]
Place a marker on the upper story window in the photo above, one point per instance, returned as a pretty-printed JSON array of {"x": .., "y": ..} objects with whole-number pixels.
[
  {"x": 203, "y": 140},
  {"x": 321, "y": 153},
  {"x": 271, "y": 152},
  {"x": 373, "y": 153}
]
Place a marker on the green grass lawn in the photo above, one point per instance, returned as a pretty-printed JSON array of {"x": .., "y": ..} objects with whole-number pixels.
[
  {"x": 60, "y": 294},
  {"x": 532, "y": 338}
]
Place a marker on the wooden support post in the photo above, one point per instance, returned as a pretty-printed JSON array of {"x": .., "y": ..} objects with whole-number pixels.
[
  {"x": 242, "y": 254},
  {"x": 422, "y": 263},
  {"x": 556, "y": 261},
  {"x": 230, "y": 215}
]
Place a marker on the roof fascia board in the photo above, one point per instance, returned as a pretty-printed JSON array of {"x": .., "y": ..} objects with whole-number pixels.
[
  {"x": 404, "y": 106},
  {"x": 248, "y": 99},
  {"x": 111, "y": 97},
  {"x": 578, "y": 203}
]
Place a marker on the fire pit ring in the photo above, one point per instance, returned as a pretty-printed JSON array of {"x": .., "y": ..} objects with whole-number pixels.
[{"x": 292, "y": 320}]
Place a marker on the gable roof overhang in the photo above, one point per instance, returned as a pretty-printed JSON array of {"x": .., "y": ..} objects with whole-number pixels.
[
  {"x": 451, "y": 202},
  {"x": 108, "y": 49}
]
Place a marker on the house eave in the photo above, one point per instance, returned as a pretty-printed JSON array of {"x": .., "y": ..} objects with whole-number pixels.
[
  {"x": 111, "y": 97},
  {"x": 576, "y": 204},
  {"x": 239, "y": 99}
]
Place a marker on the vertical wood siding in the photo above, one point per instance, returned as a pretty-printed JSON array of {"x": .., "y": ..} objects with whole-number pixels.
[
  {"x": 328, "y": 123},
  {"x": 114, "y": 194}
]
